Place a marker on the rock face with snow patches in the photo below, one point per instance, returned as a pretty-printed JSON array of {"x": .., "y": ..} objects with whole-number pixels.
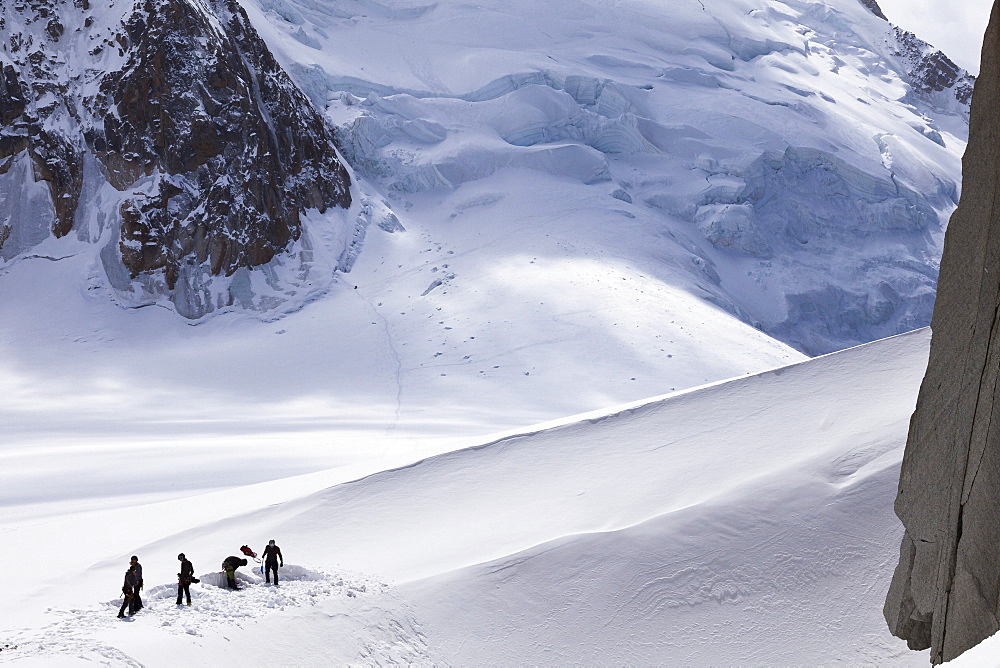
[
  {"x": 211, "y": 153},
  {"x": 876, "y": 10},
  {"x": 932, "y": 73},
  {"x": 946, "y": 591}
]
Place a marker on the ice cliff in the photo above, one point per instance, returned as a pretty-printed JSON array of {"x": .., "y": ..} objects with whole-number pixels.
[{"x": 945, "y": 593}]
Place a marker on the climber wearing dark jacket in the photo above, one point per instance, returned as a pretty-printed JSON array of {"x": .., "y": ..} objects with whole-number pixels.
[
  {"x": 185, "y": 578},
  {"x": 229, "y": 565},
  {"x": 272, "y": 553},
  {"x": 128, "y": 589},
  {"x": 136, "y": 599}
]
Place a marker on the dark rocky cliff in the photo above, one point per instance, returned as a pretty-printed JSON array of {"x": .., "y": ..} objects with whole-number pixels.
[
  {"x": 202, "y": 107},
  {"x": 215, "y": 152},
  {"x": 945, "y": 593}
]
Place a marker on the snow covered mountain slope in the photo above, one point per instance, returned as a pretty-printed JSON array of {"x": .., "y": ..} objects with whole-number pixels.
[
  {"x": 745, "y": 522},
  {"x": 363, "y": 373},
  {"x": 525, "y": 286},
  {"x": 791, "y": 161}
]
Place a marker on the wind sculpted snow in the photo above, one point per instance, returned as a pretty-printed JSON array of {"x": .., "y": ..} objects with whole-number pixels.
[{"x": 721, "y": 525}]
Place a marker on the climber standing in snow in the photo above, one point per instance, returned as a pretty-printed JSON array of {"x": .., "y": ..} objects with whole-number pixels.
[
  {"x": 229, "y": 565},
  {"x": 136, "y": 599},
  {"x": 272, "y": 553},
  {"x": 128, "y": 589},
  {"x": 185, "y": 578}
]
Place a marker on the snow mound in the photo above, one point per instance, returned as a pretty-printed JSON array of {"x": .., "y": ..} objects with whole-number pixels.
[{"x": 297, "y": 587}]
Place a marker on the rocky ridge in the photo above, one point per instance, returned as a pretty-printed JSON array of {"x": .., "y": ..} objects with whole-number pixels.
[
  {"x": 931, "y": 72},
  {"x": 875, "y": 9},
  {"x": 158, "y": 120}
]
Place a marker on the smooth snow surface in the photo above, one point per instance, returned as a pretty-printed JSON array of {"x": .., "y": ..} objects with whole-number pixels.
[{"x": 744, "y": 522}]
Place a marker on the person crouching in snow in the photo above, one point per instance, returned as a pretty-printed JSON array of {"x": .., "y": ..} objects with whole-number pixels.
[
  {"x": 272, "y": 553},
  {"x": 129, "y": 590},
  {"x": 185, "y": 578},
  {"x": 229, "y": 565}
]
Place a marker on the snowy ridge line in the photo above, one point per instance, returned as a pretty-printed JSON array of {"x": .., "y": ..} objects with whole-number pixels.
[
  {"x": 578, "y": 474},
  {"x": 628, "y": 409},
  {"x": 803, "y": 470},
  {"x": 271, "y": 496}
]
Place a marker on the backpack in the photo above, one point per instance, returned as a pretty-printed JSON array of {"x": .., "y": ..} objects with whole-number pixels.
[{"x": 247, "y": 551}]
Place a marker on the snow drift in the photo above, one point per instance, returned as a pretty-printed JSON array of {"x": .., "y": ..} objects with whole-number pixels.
[{"x": 699, "y": 527}]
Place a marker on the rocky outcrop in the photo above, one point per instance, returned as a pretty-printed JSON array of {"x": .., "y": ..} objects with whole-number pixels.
[
  {"x": 945, "y": 593},
  {"x": 930, "y": 71},
  {"x": 201, "y": 109},
  {"x": 872, "y": 5},
  {"x": 184, "y": 112},
  {"x": 31, "y": 96}
]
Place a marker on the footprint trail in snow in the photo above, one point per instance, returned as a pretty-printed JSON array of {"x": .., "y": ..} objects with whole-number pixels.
[{"x": 92, "y": 633}]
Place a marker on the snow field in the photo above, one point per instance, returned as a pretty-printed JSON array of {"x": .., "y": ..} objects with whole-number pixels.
[
  {"x": 568, "y": 187},
  {"x": 91, "y": 633},
  {"x": 745, "y": 520},
  {"x": 788, "y": 572},
  {"x": 388, "y": 369}
]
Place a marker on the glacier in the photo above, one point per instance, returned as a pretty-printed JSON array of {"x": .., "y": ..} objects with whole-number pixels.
[
  {"x": 793, "y": 160},
  {"x": 807, "y": 152}
]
